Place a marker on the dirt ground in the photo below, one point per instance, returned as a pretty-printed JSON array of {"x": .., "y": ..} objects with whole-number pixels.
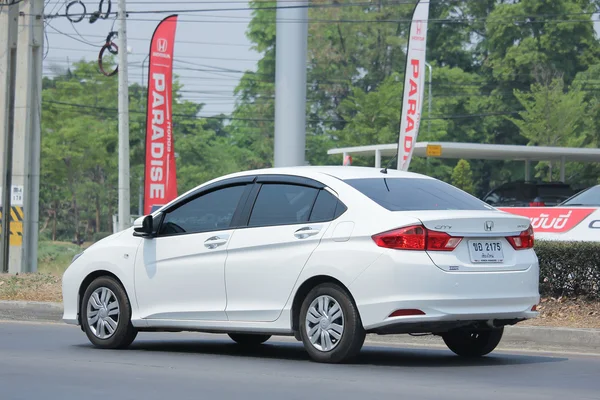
[
  {"x": 31, "y": 287},
  {"x": 567, "y": 313},
  {"x": 560, "y": 312}
]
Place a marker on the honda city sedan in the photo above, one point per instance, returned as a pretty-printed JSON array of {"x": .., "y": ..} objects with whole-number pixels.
[{"x": 325, "y": 254}]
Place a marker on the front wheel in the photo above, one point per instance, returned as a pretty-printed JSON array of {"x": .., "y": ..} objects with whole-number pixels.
[
  {"x": 249, "y": 339},
  {"x": 473, "y": 343},
  {"x": 330, "y": 326},
  {"x": 106, "y": 314}
]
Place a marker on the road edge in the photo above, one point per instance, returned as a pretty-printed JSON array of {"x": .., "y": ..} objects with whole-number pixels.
[{"x": 551, "y": 338}]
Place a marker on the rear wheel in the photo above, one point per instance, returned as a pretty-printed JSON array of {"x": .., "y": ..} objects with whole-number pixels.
[
  {"x": 249, "y": 339},
  {"x": 106, "y": 314},
  {"x": 467, "y": 343},
  {"x": 330, "y": 326}
]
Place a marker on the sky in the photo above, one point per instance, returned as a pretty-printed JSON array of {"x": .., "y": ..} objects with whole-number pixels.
[{"x": 211, "y": 41}]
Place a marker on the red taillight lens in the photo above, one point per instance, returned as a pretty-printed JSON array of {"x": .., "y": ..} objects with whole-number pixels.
[
  {"x": 409, "y": 238},
  {"x": 537, "y": 204},
  {"x": 524, "y": 241},
  {"x": 416, "y": 238}
]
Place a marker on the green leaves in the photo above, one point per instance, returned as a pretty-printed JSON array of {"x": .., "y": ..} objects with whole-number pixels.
[
  {"x": 504, "y": 72},
  {"x": 569, "y": 268},
  {"x": 79, "y": 150},
  {"x": 462, "y": 177}
]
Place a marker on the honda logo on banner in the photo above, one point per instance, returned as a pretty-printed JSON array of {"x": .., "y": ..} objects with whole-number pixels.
[{"x": 162, "y": 45}]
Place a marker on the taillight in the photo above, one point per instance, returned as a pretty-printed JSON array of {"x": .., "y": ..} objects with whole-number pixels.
[
  {"x": 537, "y": 204},
  {"x": 524, "y": 241},
  {"x": 416, "y": 237}
]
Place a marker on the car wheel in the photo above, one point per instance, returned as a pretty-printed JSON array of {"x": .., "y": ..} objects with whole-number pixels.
[
  {"x": 473, "y": 343},
  {"x": 247, "y": 339},
  {"x": 106, "y": 314},
  {"x": 330, "y": 326}
]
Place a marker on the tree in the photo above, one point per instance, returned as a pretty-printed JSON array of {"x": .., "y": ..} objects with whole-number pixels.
[
  {"x": 554, "y": 117},
  {"x": 78, "y": 193},
  {"x": 462, "y": 177}
]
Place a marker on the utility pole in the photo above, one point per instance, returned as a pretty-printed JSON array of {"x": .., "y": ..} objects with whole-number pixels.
[
  {"x": 27, "y": 136},
  {"x": 124, "y": 184},
  {"x": 8, "y": 58},
  {"x": 429, "y": 98},
  {"x": 290, "y": 83}
]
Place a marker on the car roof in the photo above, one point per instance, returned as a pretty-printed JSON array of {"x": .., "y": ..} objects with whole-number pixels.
[{"x": 340, "y": 172}]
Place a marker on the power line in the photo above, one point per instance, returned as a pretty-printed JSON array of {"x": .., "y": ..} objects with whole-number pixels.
[
  {"x": 13, "y": 3},
  {"x": 178, "y": 41},
  {"x": 73, "y": 37},
  {"x": 440, "y": 117},
  {"x": 176, "y": 59},
  {"x": 234, "y": 9}
]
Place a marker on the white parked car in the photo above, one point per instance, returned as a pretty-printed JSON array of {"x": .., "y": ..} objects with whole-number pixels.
[{"x": 326, "y": 254}]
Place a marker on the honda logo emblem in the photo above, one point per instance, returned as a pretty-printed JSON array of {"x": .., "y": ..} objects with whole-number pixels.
[
  {"x": 489, "y": 225},
  {"x": 419, "y": 27},
  {"x": 162, "y": 45}
]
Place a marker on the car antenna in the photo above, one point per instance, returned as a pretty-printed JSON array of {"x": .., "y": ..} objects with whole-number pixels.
[{"x": 384, "y": 171}]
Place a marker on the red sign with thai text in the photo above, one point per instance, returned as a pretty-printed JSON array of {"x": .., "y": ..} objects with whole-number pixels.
[{"x": 552, "y": 219}]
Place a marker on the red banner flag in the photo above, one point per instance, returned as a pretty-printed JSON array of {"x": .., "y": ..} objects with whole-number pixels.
[
  {"x": 160, "y": 169},
  {"x": 414, "y": 84}
]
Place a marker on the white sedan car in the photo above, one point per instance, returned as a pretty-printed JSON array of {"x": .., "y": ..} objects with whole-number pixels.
[{"x": 326, "y": 254}]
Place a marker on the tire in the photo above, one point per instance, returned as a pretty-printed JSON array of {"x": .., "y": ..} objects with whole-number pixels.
[
  {"x": 340, "y": 347},
  {"x": 248, "y": 339},
  {"x": 473, "y": 343},
  {"x": 123, "y": 332}
]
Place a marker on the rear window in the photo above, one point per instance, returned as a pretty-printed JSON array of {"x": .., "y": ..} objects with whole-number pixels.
[
  {"x": 557, "y": 192},
  {"x": 590, "y": 197},
  {"x": 401, "y": 194}
]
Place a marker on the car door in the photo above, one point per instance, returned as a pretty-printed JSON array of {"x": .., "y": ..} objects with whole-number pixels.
[
  {"x": 180, "y": 272},
  {"x": 286, "y": 222}
]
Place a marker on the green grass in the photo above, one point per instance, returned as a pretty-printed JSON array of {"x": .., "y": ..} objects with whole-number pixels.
[{"x": 55, "y": 257}]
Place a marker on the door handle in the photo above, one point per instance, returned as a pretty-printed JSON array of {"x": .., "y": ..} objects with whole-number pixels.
[
  {"x": 304, "y": 233},
  {"x": 214, "y": 242}
]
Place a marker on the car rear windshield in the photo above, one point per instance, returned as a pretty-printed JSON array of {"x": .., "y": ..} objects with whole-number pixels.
[
  {"x": 406, "y": 194},
  {"x": 590, "y": 197},
  {"x": 554, "y": 191}
]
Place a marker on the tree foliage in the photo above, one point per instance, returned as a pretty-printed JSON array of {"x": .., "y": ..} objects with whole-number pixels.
[
  {"x": 462, "y": 176},
  {"x": 504, "y": 72}
]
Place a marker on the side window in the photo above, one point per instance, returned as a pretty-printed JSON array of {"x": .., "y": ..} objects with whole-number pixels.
[
  {"x": 210, "y": 212},
  {"x": 326, "y": 208},
  {"x": 282, "y": 204}
]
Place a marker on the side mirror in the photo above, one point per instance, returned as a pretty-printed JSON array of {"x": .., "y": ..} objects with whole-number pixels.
[{"x": 143, "y": 226}]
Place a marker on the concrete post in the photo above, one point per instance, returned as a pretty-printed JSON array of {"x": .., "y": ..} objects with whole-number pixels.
[
  {"x": 377, "y": 158},
  {"x": 290, "y": 84},
  {"x": 8, "y": 57},
  {"x": 27, "y": 133},
  {"x": 124, "y": 184}
]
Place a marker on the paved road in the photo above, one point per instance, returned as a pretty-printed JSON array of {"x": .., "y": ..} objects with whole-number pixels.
[{"x": 52, "y": 361}]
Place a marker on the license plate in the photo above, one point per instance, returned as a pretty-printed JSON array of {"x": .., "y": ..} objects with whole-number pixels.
[{"x": 486, "y": 251}]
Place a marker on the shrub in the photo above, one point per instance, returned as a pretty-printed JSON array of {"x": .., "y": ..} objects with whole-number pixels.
[{"x": 569, "y": 268}]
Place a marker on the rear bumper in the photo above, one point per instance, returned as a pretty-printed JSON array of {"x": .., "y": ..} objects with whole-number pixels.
[{"x": 402, "y": 280}]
